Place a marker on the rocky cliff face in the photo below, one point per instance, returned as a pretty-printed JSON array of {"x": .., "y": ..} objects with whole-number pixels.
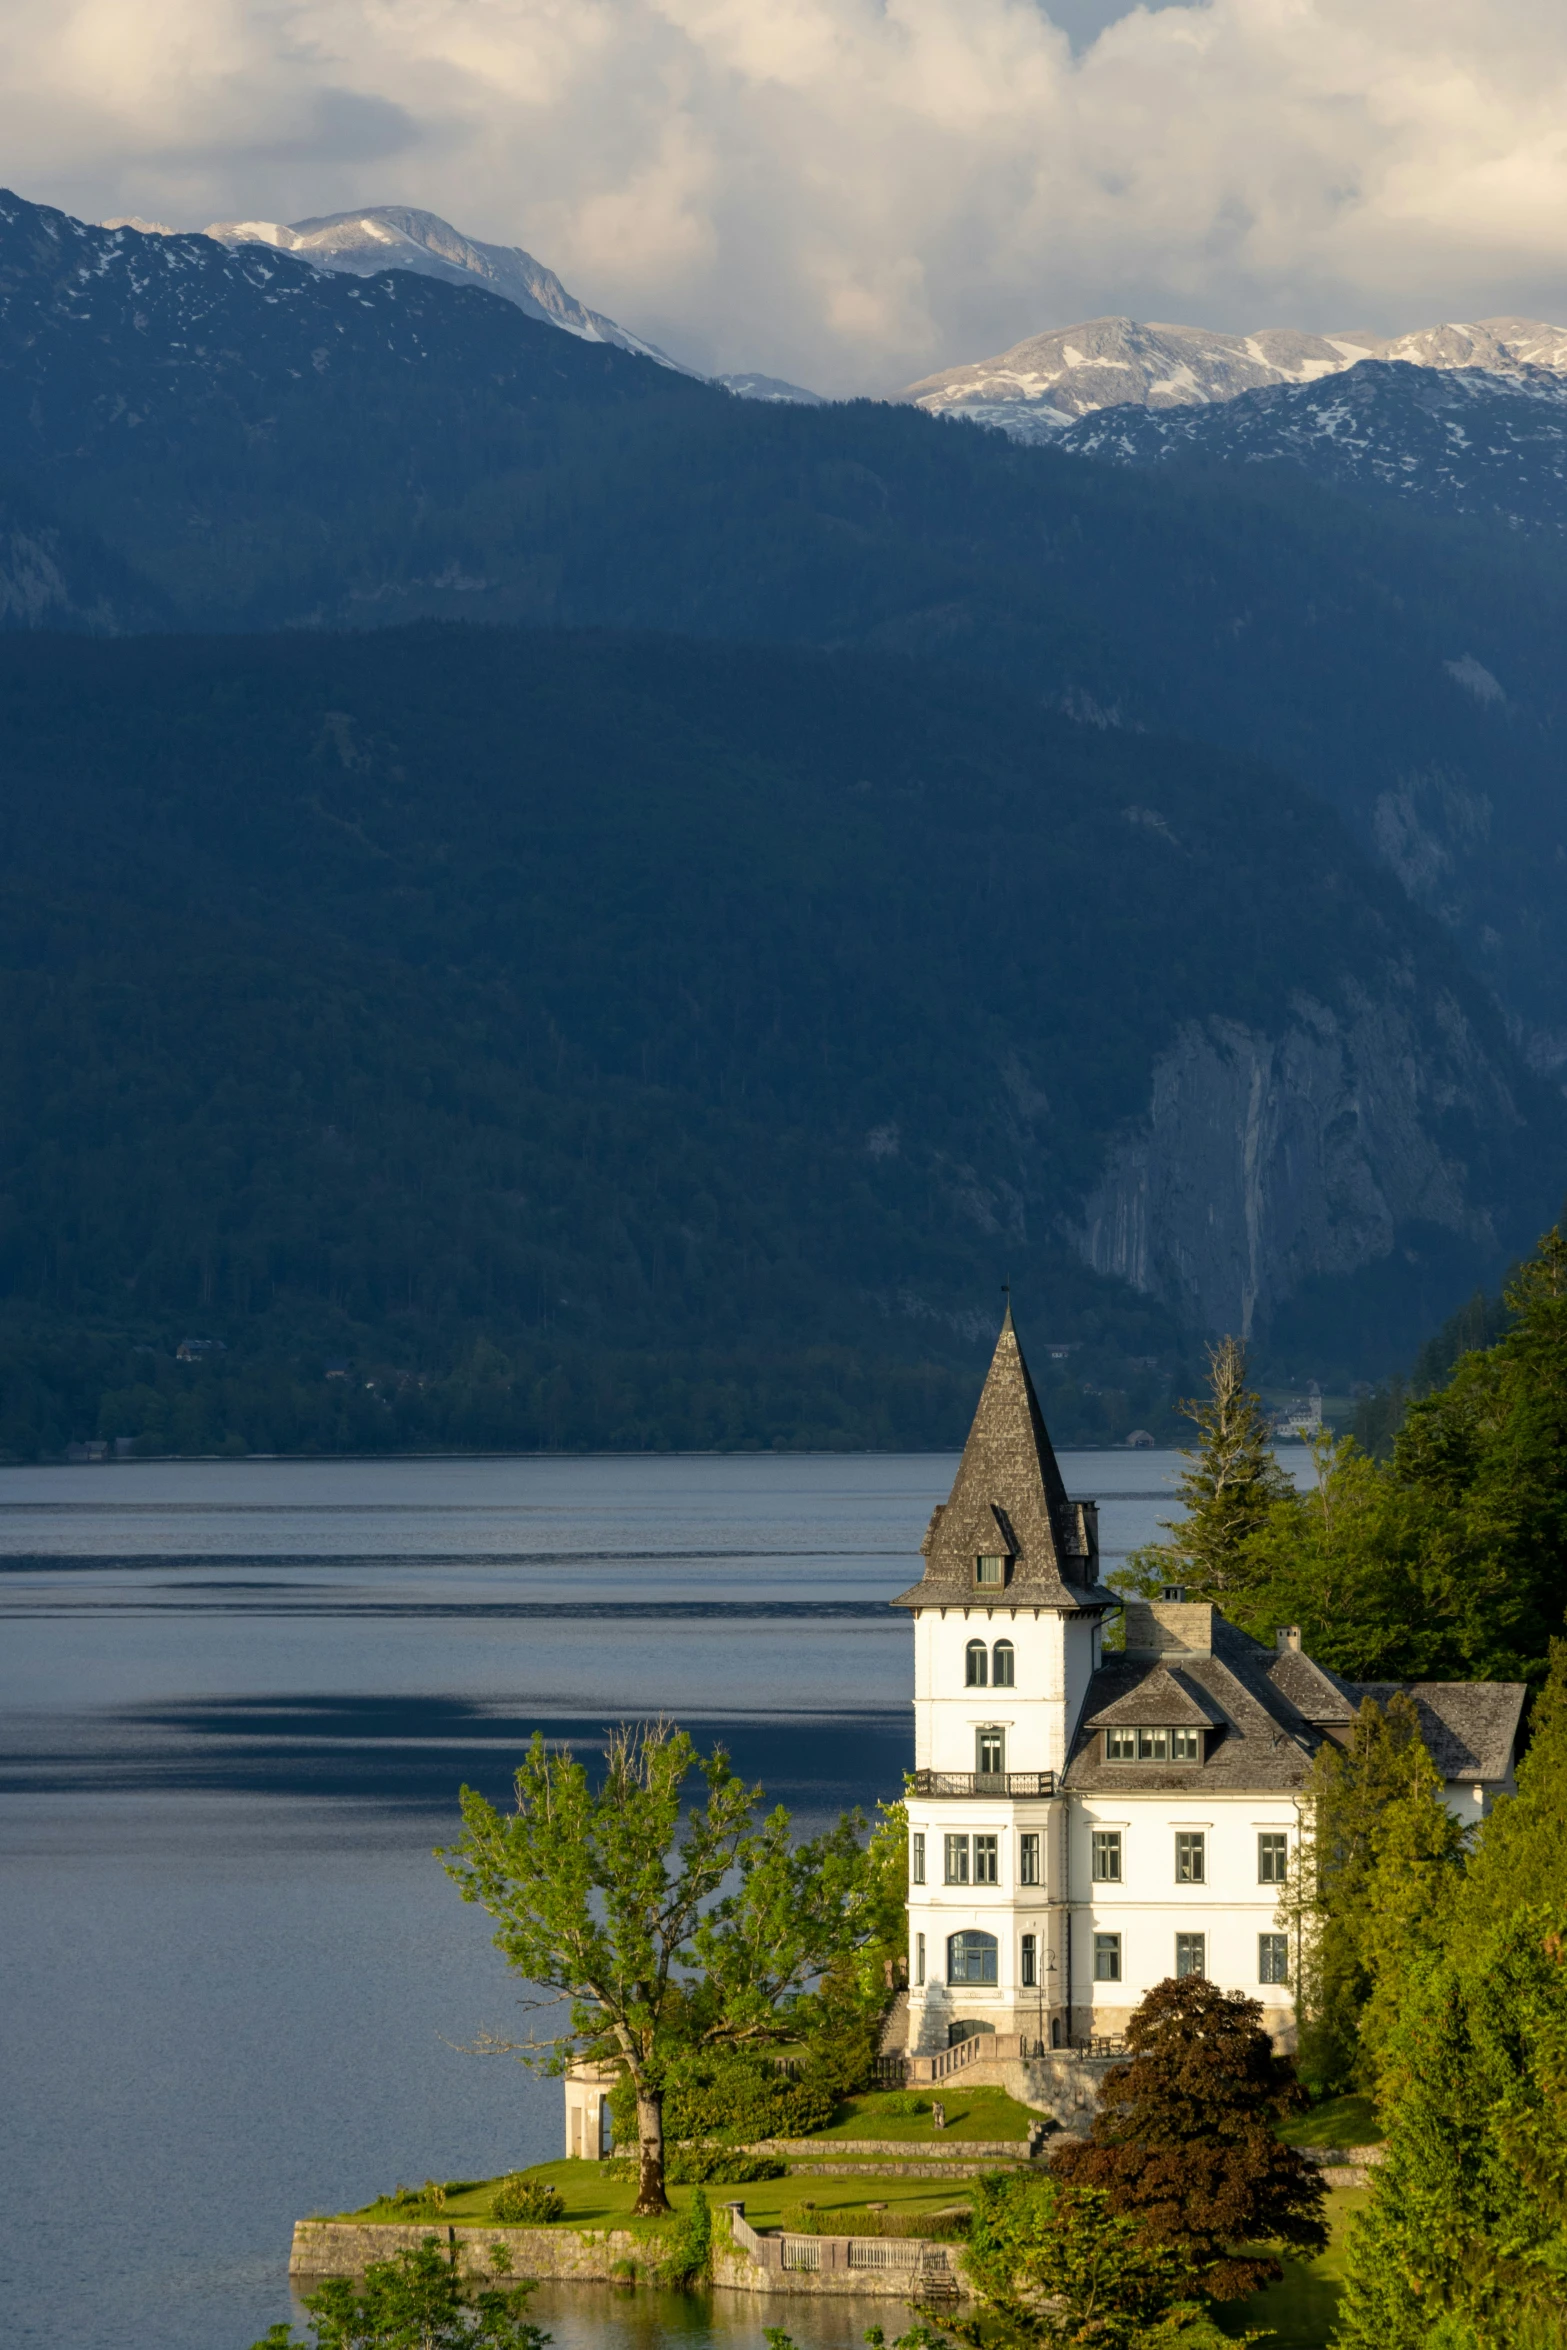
[
  {"x": 56, "y": 577},
  {"x": 1265, "y": 1159}
]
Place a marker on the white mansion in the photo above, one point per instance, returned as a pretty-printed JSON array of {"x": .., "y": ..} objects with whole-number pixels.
[{"x": 1084, "y": 1821}]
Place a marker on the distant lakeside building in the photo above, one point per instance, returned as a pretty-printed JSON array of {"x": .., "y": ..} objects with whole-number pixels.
[{"x": 1085, "y": 1822}]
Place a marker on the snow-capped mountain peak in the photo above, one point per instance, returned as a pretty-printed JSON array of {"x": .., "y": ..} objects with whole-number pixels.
[
  {"x": 399, "y": 236},
  {"x": 1041, "y": 386}
]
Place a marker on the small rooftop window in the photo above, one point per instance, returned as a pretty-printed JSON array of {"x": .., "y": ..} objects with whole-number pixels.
[
  {"x": 990, "y": 1569},
  {"x": 1153, "y": 1745}
]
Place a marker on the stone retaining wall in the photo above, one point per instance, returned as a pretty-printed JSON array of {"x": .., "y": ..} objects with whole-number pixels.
[
  {"x": 896, "y": 2170},
  {"x": 564, "y": 2255},
  {"x": 900, "y": 2149},
  {"x": 1064, "y": 2082},
  {"x": 346, "y": 2247}
]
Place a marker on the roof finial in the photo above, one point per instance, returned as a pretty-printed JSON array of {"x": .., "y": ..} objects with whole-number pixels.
[{"x": 1006, "y": 1291}]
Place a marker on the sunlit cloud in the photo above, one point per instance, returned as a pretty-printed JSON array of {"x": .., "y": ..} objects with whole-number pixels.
[{"x": 851, "y": 192}]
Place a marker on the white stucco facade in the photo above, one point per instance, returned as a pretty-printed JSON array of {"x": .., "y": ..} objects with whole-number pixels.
[
  {"x": 1075, "y": 1950},
  {"x": 1086, "y": 1821}
]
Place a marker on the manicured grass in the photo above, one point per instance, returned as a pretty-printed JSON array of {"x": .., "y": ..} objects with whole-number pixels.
[
  {"x": 594, "y": 2201},
  {"x": 971, "y": 2113},
  {"x": 1338, "y": 2121},
  {"x": 1303, "y": 2310},
  {"x": 1300, "y": 2312}
]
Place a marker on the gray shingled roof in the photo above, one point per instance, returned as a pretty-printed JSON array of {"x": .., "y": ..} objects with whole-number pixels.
[
  {"x": 1008, "y": 1494},
  {"x": 1470, "y": 1727},
  {"x": 1316, "y": 1694},
  {"x": 1262, "y": 1743},
  {"x": 1275, "y": 1710},
  {"x": 1161, "y": 1696}
]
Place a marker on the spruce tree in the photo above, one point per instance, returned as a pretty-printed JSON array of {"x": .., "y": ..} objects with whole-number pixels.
[
  {"x": 1464, "y": 2242},
  {"x": 1375, "y": 1877},
  {"x": 1522, "y": 1852},
  {"x": 1231, "y": 1491}
]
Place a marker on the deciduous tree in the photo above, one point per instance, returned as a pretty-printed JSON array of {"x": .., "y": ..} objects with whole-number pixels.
[
  {"x": 662, "y": 1929},
  {"x": 1185, "y": 2143},
  {"x": 416, "y": 2300},
  {"x": 1448, "y": 1561},
  {"x": 1058, "y": 2266}
]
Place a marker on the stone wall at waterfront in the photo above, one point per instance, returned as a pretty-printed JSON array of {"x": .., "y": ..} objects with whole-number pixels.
[{"x": 564, "y": 2255}]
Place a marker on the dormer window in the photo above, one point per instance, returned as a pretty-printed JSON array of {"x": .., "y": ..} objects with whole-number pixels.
[
  {"x": 975, "y": 1658},
  {"x": 990, "y": 1570},
  {"x": 1153, "y": 1745}
]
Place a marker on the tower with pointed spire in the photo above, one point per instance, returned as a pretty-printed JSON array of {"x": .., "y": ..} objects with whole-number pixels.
[
  {"x": 1083, "y": 1824},
  {"x": 1007, "y": 1629}
]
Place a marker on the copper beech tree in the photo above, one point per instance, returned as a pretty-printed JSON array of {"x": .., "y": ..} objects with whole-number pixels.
[
  {"x": 1185, "y": 2140},
  {"x": 663, "y": 1928}
]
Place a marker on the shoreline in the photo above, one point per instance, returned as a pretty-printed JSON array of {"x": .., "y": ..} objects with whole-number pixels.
[{"x": 882, "y": 2268}]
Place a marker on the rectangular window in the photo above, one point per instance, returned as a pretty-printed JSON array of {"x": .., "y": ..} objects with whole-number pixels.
[
  {"x": 989, "y": 1569},
  {"x": 1028, "y": 1858},
  {"x": 917, "y": 1858},
  {"x": 1120, "y": 1746},
  {"x": 990, "y": 1753},
  {"x": 1191, "y": 1954},
  {"x": 957, "y": 1860},
  {"x": 1107, "y": 1958},
  {"x": 1030, "y": 1974},
  {"x": 1107, "y": 1856},
  {"x": 919, "y": 1958},
  {"x": 1273, "y": 1958},
  {"x": 1186, "y": 1746},
  {"x": 1273, "y": 1861},
  {"x": 1191, "y": 1858},
  {"x": 985, "y": 1863},
  {"x": 1153, "y": 1745}
]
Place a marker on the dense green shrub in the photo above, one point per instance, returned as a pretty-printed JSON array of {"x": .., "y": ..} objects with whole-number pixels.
[
  {"x": 740, "y": 2098},
  {"x": 417, "y": 2296},
  {"x": 690, "y": 2255},
  {"x": 527, "y": 2203},
  {"x": 719, "y": 2166},
  {"x": 904, "y": 2102},
  {"x": 431, "y": 2197}
]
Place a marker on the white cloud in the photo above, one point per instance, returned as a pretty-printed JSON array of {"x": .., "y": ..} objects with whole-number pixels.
[{"x": 851, "y": 192}]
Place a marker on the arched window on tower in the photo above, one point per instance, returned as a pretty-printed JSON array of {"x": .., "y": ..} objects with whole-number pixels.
[
  {"x": 976, "y": 1673},
  {"x": 971, "y": 1958},
  {"x": 1001, "y": 1664}
]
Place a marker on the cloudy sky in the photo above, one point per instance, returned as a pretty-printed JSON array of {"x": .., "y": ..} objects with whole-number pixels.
[{"x": 845, "y": 192}]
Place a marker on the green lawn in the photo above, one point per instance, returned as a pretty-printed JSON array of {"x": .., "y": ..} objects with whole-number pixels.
[
  {"x": 971, "y": 2113},
  {"x": 1303, "y": 2309},
  {"x": 1339, "y": 2121},
  {"x": 594, "y": 2201}
]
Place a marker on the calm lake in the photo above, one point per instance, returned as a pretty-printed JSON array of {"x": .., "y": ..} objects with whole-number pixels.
[{"x": 238, "y": 1702}]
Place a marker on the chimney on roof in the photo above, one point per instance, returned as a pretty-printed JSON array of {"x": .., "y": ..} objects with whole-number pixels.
[
  {"x": 1287, "y": 1638},
  {"x": 1175, "y": 1592},
  {"x": 1169, "y": 1627}
]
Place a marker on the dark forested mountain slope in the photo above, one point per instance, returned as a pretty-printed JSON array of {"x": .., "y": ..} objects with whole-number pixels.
[
  {"x": 61, "y": 575},
  {"x": 265, "y": 445},
  {"x": 707, "y": 1029},
  {"x": 1456, "y": 440}
]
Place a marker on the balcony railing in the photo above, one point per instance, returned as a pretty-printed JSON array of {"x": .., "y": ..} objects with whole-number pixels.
[{"x": 983, "y": 1783}]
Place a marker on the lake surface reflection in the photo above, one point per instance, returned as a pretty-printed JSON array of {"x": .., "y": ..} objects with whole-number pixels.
[{"x": 238, "y": 1701}]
